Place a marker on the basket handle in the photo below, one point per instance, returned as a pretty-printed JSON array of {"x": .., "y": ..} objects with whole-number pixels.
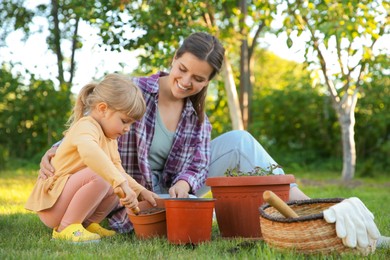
[
  {"x": 279, "y": 204},
  {"x": 118, "y": 191}
]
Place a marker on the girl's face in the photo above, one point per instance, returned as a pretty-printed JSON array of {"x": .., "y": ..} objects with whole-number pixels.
[
  {"x": 189, "y": 75},
  {"x": 115, "y": 123}
]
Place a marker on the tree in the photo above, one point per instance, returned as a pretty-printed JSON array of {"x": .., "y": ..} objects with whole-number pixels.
[
  {"x": 340, "y": 43},
  {"x": 157, "y": 28},
  {"x": 254, "y": 19},
  {"x": 373, "y": 120},
  {"x": 31, "y": 116},
  {"x": 63, "y": 20},
  {"x": 283, "y": 89}
]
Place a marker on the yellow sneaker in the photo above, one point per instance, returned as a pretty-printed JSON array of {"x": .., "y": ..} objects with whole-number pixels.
[
  {"x": 76, "y": 233},
  {"x": 101, "y": 231}
]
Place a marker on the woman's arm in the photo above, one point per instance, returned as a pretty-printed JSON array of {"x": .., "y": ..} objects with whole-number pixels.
[{"x": 197, "y": 153}]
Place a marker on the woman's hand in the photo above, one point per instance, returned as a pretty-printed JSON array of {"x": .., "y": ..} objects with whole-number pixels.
[
  {"x": 149, "y": 196},
  {"x": 180, "y": 190},
  {"x": 46, "y": 169}
]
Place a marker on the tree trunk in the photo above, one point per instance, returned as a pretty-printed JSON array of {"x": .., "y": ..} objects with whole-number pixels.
[
  {"x": 244, "y": 67},
  {"x": 346, "y": 115},
  {"x": 345, "y": 110},
  {"x": 57, "y": 42},
  {"x": 349, "y": 150},
  {"x": 231, "y": 91},
  {"x": 75, "y": 42},
  {"x": 244, "y": 83}
]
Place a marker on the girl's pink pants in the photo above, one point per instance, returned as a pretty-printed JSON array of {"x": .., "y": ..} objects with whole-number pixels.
[{"x": 87, "y": 198}]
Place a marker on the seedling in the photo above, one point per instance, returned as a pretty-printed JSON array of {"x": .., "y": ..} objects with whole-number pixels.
[{"x": 257, "y": 171}]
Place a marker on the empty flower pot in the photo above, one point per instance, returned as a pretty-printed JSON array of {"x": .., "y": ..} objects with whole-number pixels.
[{"x": 189, "y": 221}]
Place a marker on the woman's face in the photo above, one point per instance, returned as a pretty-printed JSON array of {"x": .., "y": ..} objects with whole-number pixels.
[{"x": 189, "y": 75}]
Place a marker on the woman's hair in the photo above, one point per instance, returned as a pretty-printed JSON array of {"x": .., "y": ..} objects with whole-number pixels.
[
  {"x": 118, "y": 91},
  {"x": 206, "y": 48}
]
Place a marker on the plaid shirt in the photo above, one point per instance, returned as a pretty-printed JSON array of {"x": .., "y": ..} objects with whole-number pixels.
[{"x": 188, "y": 159}]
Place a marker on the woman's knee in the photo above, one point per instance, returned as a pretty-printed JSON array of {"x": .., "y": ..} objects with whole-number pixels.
[{"x": 239, "y": 136}]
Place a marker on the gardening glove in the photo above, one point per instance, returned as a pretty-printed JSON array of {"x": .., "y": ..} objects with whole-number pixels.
[
  {"x": 369, "y": 227},
  {"x": 354, "y": 223}
]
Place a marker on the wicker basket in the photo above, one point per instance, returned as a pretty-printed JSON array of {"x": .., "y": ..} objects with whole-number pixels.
[{"x": 308, "y": 234}]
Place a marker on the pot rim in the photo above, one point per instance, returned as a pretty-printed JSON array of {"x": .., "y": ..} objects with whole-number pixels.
[
  {"x": 191, "y": 199},
  {"x": 250, "y": 180},
  {"x": 147, "y": 205}
]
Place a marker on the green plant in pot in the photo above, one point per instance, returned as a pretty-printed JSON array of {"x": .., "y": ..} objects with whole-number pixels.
[{"x": 240, "y": 194}]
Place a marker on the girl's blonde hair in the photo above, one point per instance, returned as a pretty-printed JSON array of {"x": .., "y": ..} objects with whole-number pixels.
[{"x": 118, "y": 91}]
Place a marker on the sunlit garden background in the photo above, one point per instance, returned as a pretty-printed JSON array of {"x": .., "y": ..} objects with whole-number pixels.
[{"x": 311, "y": 77}]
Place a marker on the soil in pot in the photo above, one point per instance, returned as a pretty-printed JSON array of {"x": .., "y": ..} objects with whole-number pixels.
[
  {"x": 151, "y": 211},
  {"x": 151, "y": 221},
  {"x": 238, "y": 200},
  {"x": 189, "y": 221}
]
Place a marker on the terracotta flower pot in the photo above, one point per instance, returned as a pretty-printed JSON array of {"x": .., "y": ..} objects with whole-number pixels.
[
  {"x": 238, "y": 200},
  {"x": 189, "y": 221},
  {"x": 151, "y": 221}
]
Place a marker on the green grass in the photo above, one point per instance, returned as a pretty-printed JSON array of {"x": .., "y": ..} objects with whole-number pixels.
[{"x": 23, "y": 236}]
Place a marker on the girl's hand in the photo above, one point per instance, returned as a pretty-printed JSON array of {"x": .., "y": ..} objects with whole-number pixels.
[
  {"x": 180, "y": 190},
  {"x": 130, "y": 199},
  {"x": 149, "y": 196},
  {"x": 46, "y": 169}
]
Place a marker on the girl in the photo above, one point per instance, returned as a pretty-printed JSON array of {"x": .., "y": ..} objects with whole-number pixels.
[{"x": 80, "y": 194}]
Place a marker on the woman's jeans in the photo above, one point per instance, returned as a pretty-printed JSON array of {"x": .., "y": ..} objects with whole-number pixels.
[{"x": 236, "y": 149}]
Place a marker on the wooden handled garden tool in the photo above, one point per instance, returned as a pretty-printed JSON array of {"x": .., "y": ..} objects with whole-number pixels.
[
  {"x": 118, "y": 191},
  {"x": 279, "y": 204}
]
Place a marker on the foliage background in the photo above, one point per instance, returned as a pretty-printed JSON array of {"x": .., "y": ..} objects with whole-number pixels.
[
  {"x": 295, "y": 123},
  {"x": 291, "y": 113}
]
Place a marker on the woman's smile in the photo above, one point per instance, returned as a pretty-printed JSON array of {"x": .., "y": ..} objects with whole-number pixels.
[{"x": 182, "y": 87}]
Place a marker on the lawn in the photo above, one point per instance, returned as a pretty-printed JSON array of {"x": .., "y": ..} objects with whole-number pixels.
[{"x": 23, "y": 236}]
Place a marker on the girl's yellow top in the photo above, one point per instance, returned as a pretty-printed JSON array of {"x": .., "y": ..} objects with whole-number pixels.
[{"x": 84, "y": 145}]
